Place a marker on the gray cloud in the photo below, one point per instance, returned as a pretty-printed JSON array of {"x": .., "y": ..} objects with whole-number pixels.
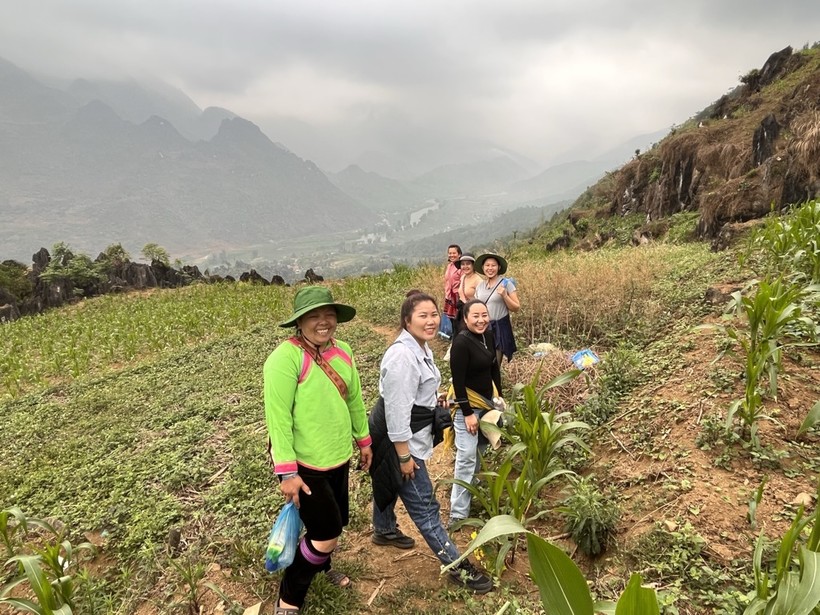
[{"x": 543, "y": 78}]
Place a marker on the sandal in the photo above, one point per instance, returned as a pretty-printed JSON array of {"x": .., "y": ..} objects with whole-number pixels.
[
  {"x": 338, "y": 578},
  {"x": 280, "y": 610}
]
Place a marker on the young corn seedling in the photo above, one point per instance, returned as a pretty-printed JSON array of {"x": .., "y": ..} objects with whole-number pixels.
[
  {"x": 48, "y": 573},
  {"x": 795, "y": 588},
  {"x": 773, "y": 314}
]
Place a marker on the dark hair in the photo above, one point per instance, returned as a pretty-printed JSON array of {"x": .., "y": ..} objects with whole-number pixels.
[
  {"x": 466, "y": 307},
  {"x": 456, "y": 246},
  {"x": 414, "y": 297}
]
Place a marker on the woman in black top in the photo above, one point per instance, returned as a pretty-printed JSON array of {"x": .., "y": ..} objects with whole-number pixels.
[{"x": 474, "y": 366}]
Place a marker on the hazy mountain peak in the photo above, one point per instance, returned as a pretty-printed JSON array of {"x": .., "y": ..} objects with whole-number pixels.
[
  {"x": 98, "y": 113},
  {"x": 24, "y": 99},
  {"x": 354, "y": 170},
  {"x": 238, "y": 128},
  {"x": 160, "y": 127},
  {"x": 9, "y": 71},
  {"x": 219, "y": 112},
  {"x": 243, "y": 134}
]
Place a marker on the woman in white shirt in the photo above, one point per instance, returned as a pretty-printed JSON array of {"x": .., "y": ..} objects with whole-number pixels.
[
  {"x": 408, "y": 383},
  {"x": 501, "y": 297}
]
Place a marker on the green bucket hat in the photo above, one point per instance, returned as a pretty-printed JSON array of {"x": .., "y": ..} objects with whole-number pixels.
[
  {"x": 502, "y": 262},
  {"x": 311, "y": 297}
]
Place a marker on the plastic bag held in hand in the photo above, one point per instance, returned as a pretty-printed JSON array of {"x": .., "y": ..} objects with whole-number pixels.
[{"x": 283, "y": 539}]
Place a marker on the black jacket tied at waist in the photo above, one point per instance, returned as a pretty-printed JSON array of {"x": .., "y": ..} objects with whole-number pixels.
[{"x": 385, "y": 469}]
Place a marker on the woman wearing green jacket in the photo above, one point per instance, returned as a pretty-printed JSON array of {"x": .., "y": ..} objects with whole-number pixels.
[{"x": 314, "y": 412}]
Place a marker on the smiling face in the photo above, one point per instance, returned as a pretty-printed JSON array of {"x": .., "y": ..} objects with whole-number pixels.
[
  {"x": 453, "y": 255},
  {"x": 318, "y": 325},
  {"x": 467, "y": 267},
  {"x": 490, "y": 267},
  {"x": 477, "y": 318},
  {"x": 423, "y": 322}
]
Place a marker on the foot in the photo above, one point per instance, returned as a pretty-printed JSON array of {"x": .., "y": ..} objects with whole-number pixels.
[
  {"x": 470, "y": 577},
  {"x": 396, "y": 538},
  {"x": 338, "y": 578},
  {"x": 454, "y": 524},
  {"x": 282, "y": 610}
]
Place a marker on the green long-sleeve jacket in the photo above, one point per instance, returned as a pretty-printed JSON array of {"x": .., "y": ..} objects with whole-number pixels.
[{"x": 308, "y": 421}]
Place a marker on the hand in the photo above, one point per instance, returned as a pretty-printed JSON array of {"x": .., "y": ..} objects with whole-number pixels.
[
  {"x": 366, "y": 457},
  {"x": 291, "y": 488},
  {"x": 472, "y": 423},
  {"x": 501, "y": 290},
  {"x": 408, "y": 469}
]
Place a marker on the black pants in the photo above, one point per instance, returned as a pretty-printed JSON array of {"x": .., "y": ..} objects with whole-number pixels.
[{"x": 324, "y": 512}]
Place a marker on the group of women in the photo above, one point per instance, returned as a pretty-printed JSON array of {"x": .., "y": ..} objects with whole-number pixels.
[{"x": 314, "y": 412}]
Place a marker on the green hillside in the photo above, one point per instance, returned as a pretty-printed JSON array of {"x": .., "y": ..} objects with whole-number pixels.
[{"x": 137, "y": 421}]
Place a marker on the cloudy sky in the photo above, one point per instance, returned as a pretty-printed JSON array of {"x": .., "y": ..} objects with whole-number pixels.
[{"x": 334, "y": 79}]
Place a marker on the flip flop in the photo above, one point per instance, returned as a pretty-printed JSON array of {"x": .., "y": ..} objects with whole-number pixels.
[
  {"x": 279, "y": 610},
  {"x": 338, "y": 578}
]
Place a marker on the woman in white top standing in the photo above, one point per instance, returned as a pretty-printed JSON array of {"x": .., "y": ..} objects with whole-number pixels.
[
  {"x": 408, "y": 384},
  {"x": 501, "y": 297}
]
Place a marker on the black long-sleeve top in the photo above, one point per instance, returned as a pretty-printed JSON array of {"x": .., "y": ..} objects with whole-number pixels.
[{"x": 473, "y": 365}]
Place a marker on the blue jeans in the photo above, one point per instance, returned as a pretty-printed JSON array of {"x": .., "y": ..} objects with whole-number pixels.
[
  {"x": 468, "y": 462},
  {"x": 421, "y": 504}
]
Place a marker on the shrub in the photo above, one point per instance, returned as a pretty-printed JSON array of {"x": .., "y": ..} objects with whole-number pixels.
[
  {"x": 154, "y": 252},
  {"x": 13, "y": 278},
  {"x": 114, "y": 256},
  {"x": 79, "y": 269},
  {"x": 591, "y": 515}
]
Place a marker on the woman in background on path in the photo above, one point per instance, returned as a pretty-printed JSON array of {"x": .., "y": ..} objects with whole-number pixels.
[
  {"x": 501, "y": 297},
  {"x": 403, "y": 442},
  {"x": 314, "y": 411},
  {"x": 470, "y": 279},
  {"x": 474, "y": 366},
  {"x": 452, "y": 278}
]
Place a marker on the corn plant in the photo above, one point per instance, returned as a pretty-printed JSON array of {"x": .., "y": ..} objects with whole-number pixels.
[
  {"x": 812, "y": 418},
  {"x": 751, "y": 514},
  {"x": 795, "y": 589},
  {"x": 790, "y": 244},
  {"x": 191, "y": 572},
  {"x": 14, "y": 527},
  {"x": 61, "y": 344},
  {"x": 562, "y": 586},
  {"x": 504, "y": 492},
  {"x": 537, "y": 434},
  {"x": 772, "y": 314},
  {"x": 48, "y": 573}
]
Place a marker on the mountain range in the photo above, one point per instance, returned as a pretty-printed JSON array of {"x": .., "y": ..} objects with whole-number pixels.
[{"x": 92, "y": 163}]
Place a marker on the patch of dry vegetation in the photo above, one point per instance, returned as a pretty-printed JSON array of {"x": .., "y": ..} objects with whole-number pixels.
[{"x": 586, "y": 298}]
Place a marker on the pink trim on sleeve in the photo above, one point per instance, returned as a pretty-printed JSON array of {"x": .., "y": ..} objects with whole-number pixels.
[
  {"x": 285, "y": 468},
  {"x": 366, "y": 441}
]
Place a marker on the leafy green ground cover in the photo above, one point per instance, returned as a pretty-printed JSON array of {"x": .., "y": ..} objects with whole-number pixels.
[{"x": 163, "y": 435}]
